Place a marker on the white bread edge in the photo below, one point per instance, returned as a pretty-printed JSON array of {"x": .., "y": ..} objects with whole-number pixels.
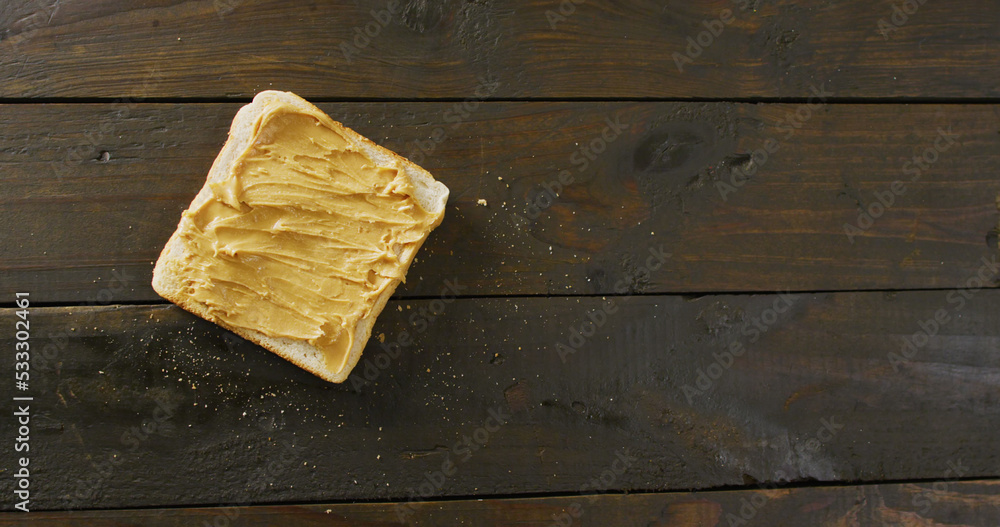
[{"x": 168, "y": 276}]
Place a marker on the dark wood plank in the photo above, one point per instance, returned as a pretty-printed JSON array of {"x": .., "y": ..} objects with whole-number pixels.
[
  {"x": 148, "y": 406},
  {"x": 90, "y": 193},
  {"x": 635, "y": 48},
  {"x": 942, "y": 503}
]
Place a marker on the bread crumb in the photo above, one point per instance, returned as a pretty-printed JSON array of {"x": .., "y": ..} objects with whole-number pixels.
[{"x": 482, "y": 202}]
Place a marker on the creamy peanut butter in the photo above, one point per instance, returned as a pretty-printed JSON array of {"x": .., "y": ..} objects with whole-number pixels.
[{"x": 302, "y": 235}]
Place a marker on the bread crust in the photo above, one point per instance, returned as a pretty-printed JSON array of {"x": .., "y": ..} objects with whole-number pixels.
[{"x": 169, "y": 277}]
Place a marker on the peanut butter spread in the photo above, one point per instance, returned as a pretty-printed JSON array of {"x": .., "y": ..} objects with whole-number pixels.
[{"x": 302, "y": 236}]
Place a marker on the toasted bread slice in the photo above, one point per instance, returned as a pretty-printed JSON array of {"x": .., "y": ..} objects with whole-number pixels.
[{"x": 176, "y": 277}]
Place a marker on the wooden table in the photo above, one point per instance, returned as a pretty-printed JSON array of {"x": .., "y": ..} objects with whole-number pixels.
[{"x": 704, "y": 263}]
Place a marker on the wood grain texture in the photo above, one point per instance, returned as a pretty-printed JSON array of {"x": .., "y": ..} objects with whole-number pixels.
[
  {"x": 939, "y": 504},
  {"x": 149, "y": 406},
  {"x": 90, "y": 193},
  {"x": 235, "y": 48}
]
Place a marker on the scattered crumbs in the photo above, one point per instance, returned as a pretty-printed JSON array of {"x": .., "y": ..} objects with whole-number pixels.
[
  {"x": 481, "y": 202},
  {"x": 381, "y": 337}
]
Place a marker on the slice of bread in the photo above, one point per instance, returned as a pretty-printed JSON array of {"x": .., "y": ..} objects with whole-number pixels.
[{"x": 172, "y": 275}]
